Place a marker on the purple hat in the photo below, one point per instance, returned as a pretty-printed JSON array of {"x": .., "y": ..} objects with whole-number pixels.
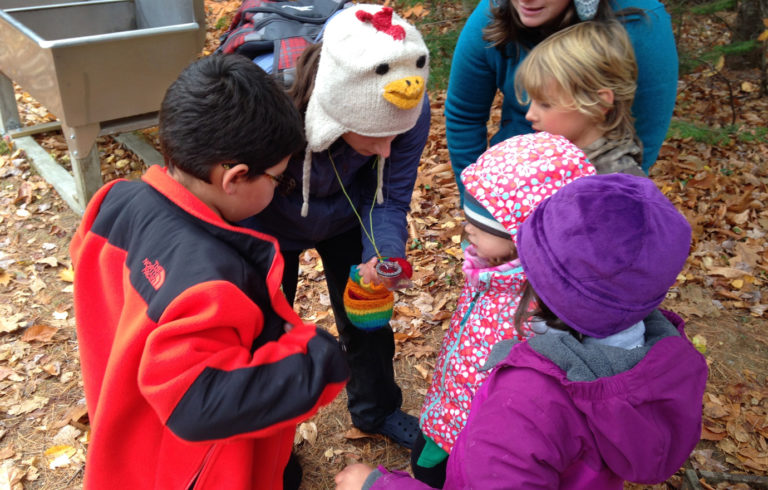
[{"x": 603, "y": 251}]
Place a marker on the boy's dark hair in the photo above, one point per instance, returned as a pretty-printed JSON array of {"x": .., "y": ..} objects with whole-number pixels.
[{"x": 225, "y": 109}]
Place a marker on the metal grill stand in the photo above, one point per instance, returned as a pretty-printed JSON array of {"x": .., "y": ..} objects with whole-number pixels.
[{"x": 101, "y": 66}]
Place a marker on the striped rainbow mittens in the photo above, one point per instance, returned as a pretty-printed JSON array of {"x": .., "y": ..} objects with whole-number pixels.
[{"x": 368, "y": 306}]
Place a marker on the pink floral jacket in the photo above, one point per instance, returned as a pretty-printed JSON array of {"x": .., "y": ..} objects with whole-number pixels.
[{"x": 483, "y": 317}]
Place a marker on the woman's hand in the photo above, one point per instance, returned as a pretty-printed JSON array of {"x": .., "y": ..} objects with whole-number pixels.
[
  {"x": 352, "y": 477},
  {"x": 368, "y": 271}
]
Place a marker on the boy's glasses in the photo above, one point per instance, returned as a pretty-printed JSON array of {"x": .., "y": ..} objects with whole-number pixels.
[
  {"x": 283, "y": 182},
  {"x": 277, "y": 179}
]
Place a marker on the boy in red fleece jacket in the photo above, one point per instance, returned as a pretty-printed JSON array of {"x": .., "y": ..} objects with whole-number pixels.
[{"x": 196, "y": 368}]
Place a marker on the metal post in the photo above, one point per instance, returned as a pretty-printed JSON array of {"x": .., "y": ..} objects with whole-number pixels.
[{"x": 9, "y": 112}]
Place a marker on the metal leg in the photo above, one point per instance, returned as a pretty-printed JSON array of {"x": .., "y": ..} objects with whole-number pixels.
[
  {"x": 84, "y": 155},
  {"x": 87, "y": 174},
  {"x": 9, "y": 112}
]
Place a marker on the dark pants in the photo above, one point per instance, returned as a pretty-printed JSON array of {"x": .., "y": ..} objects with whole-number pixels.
[
  {"x": 435, "y": 476},
  {"x": 371, "y": 390}
]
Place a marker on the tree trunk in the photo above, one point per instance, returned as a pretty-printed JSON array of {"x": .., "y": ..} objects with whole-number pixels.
[{"x": 749, "y": 25}]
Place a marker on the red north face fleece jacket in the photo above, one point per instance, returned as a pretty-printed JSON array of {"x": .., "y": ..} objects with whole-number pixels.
[{"x": 190, "y": 378}]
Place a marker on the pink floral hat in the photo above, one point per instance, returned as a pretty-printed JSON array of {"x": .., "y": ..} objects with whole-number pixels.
[{"x": 513, "y": 177}]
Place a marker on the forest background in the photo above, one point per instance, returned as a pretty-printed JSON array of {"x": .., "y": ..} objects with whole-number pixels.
[{"x": 712, "y": 166}]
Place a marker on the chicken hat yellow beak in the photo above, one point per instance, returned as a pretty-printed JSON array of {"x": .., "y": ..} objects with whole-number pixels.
[{"x": 405, "y": 93}]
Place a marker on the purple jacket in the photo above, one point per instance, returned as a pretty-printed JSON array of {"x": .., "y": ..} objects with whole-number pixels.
[{"x": 552, "y": 415}]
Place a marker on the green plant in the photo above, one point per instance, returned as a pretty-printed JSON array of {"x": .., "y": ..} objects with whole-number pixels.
[
  {"x": 441, "y": 46},
  {"x": 440, "y": 22},
  {"x": 713, "y": 7},
  {"x": 716, "y": 136},
  {"x": 682, "y": 12},
  {"x": 690, "y": 62},
  {"x": 4, "y": 147},
  {"x": 222, "y": 23}
]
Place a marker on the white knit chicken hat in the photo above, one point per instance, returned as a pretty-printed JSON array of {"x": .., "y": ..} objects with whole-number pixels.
[{"x": 370, "y": 80}]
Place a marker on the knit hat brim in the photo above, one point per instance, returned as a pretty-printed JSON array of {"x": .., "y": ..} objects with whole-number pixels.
[
  {"x": 603, "y": 251},
  {"x": 480, "y": 217},
  {"x": 512, "y": 177}
]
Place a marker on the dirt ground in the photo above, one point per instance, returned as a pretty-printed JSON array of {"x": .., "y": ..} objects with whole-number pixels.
[{"x": 721, "y": 294}]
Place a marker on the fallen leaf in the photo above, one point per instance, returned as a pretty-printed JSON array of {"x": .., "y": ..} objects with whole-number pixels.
[
  {"x": 7, "y": 452},
  {"x": 11, "y": 323},
  {"x": 32, "y": 473},
  {"x": 37, "y": 285},
  {"x": 700, "y": 343},
  {"x": 708, "y": 435},
  {"x": 408, "y": 311},
  {"x": 60, "y": 315},
  {"x": 60, "y": 456},
  {"x": 52, "y": 368},
  {"x": 29, "y": 405},
  {"x": 39, "y": 333},
  {"x": 25, "y": 193},
  {"x": 737, "y": 431},
  {"x": 52, "y": 261},
  {"x": 307, "y": 432},
  {"x": 67, "y": 436},
  {"x": 422, "y": 370},
  {"x": 11, "y": 476},
  {"x": 67, "y": 275},
  {"x": 5, "y": 277},
  {"x": 727, "y": 272},
  {"x": 355, "y": 433},
  {"x": 6, "y": 372},
  {"x": 749, "y": 87}
]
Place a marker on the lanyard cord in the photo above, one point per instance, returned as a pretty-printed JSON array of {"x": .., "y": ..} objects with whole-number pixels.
[{"x": 354, "y": 209}]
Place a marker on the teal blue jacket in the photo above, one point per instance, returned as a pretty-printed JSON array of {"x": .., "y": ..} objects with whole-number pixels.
[{"x": 479, "y": 69}]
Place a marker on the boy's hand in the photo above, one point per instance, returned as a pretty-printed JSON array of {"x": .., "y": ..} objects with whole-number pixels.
[{"x": 352, "y": 477}]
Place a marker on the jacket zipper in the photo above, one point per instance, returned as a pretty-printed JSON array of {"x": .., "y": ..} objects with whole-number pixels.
[
  {"x": 193, "y": 481},
  {"x": 449, "y": 354}
]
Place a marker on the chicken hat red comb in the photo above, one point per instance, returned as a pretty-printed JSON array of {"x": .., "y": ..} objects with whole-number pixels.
[{"x": 382, "y": 21}]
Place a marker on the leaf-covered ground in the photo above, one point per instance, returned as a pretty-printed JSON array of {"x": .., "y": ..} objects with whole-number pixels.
[{"x": 722, "y": 189}]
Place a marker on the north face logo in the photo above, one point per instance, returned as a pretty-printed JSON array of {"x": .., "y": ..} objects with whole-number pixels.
[{"x": 155, "y": 273}]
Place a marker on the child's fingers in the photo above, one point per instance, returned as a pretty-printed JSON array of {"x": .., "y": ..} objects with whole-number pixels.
[
  {"x": 368, "y": 271},
  {"x": 352, "y": 477}
]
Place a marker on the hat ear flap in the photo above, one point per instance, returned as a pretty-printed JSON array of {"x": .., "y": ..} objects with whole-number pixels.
[
  {"x": 321, "y": 130},
  {"x": 586, "y": 9}
]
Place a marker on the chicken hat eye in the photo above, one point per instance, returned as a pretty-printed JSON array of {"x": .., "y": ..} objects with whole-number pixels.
[
  {"x": 382, "y": 69},
  {"x": 421, "y": 61}
]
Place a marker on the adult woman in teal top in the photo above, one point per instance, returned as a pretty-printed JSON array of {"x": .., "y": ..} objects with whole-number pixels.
[{"x": 499, "y": 34}]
